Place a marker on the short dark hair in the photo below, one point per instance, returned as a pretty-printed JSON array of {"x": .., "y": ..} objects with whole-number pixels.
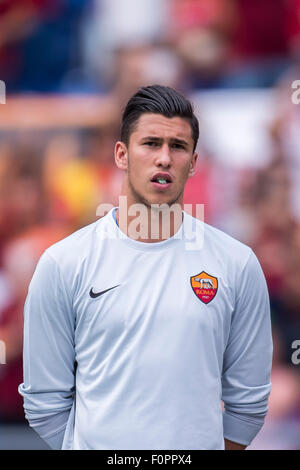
[{"x": 159, "y": 100}]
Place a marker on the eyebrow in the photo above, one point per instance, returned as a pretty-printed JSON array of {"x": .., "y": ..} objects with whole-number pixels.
[
  {"x": 172, "y": 140},
  {"x": 180, "y": 141}
]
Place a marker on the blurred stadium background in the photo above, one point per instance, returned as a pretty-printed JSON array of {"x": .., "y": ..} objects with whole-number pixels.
[{"x": 69, "y": 66}]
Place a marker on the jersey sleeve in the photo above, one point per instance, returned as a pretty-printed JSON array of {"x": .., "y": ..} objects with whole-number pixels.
[
  {"x": 248, "y": 357},
  {"x": 48, "y": 354}
]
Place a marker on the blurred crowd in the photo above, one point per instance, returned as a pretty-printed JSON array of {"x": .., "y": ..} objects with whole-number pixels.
[{"x": 52, "y": 179}]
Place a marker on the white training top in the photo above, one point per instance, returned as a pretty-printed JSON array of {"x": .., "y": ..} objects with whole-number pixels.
[{"x": 132, "y": 345}]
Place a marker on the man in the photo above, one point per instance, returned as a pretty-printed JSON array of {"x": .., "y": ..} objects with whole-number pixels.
[{"x": 135, "y": 332}]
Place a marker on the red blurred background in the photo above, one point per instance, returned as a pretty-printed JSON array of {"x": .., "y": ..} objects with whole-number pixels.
[{"x": 70, "y": 65}]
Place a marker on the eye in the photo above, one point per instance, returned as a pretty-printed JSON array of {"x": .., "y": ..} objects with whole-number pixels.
[
  {"x": 151, "y": 144},
  {"x": 178, "y": 146}
]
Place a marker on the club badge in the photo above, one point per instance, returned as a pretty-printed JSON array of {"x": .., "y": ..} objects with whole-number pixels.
[{"x": 204, "y": 286}]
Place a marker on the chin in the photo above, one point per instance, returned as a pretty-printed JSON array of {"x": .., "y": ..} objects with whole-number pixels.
[
  {"x": 156, "y": 198},
  {"x": 164, "y": 200}
]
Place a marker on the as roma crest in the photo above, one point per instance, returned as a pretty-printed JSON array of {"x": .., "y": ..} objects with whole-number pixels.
[{"x": 205, "y": 286}]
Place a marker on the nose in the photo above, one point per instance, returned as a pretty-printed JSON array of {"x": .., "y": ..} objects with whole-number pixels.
[{"x": 164, "y": 157}]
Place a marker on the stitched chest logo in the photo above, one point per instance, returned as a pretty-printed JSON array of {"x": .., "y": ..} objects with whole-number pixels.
[{"x": 204, "y": 286}]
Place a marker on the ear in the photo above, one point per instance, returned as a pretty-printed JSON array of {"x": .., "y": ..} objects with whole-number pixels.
[
  {"x": 121, "y": 155},
  {"x": 193, "y": 165}
]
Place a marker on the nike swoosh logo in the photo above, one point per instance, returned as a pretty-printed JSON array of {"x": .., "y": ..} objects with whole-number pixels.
[{"x": 94, "y": 295}]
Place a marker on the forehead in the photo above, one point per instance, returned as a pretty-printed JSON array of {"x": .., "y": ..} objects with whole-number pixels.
[{"x": 157, "y": 125}]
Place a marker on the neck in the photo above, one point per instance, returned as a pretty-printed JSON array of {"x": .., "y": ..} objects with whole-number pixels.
[{"x": 149, "y": 224}]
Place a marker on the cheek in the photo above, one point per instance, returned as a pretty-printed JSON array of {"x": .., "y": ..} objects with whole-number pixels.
[
  {"x": 183, "y": 171},
  {"x": 136, "y": 170},
  {"x": 139, "y": 160}
]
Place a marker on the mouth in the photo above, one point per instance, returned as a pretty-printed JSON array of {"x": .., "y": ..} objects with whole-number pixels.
[{"x": 162, "y": 180}]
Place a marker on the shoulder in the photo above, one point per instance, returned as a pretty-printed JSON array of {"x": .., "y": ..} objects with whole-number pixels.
[
  {"x": 237, "y": 259},
  {"x": 234, "y": 263},
  {"x": 72, "y": 251},
  {"x": 219, "y": 244},
  {"x": 77, "y": 243},
  {"x": 229, "y": 246},
  {"x": 65, "y": 262}
]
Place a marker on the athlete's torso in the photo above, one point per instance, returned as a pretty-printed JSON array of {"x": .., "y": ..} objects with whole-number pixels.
[{"x": 149, "y": 350}]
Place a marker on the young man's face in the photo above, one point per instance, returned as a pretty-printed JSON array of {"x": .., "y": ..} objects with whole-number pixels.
[{"x": 158, "y": 160}]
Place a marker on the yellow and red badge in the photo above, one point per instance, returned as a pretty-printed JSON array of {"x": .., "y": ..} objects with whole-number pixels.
[{"x": 205, "y": 286}]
